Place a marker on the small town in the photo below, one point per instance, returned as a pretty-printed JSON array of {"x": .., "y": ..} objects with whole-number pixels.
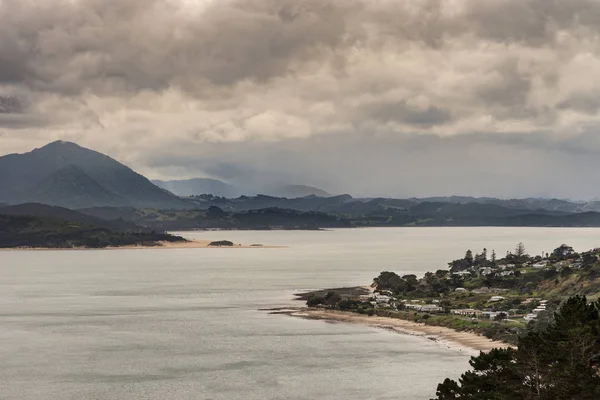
[{"x": 498, "y": 298}]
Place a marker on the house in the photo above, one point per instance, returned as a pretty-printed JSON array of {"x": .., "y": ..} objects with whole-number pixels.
[
  {"x": 482, "y": 290},
  {"x": 496, "y": 298},
  {"x": 493, "y": 314},
  {"x": 507, "y": 273},
  {"x": 382, "y": 299},
  {"x": 460, "y": 289},
  {"x": 486, "y": 271},
  {"x": 541, "y": 264},
  {"x": 430, "y": 308},
  {"x": 467, "y": 312},
  {"x": 530, "y": 317},
  {"x": 462, "y": 273}
]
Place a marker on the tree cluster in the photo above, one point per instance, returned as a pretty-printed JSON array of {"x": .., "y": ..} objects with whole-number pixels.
[{"x": 558, "y": 362}]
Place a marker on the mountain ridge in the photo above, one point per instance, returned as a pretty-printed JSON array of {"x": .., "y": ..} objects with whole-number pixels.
[{"x": 66, "y": 174}]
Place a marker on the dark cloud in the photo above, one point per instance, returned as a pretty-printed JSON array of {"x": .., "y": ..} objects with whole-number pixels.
[{"x": 294, "y": 90}]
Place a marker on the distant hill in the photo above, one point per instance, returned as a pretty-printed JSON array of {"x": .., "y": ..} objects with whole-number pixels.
[
  {"x": 295, "y": 191},
  {"x": 214, "y": 217},
  {"x": 30, "y": 231},
  {"x": 65, "y": 174},
  {"x": 65, "y": 214},
  {"x": 198, "y": 186}
]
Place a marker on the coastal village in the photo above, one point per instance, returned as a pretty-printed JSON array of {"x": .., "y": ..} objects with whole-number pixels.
[{"x": 498, "y": 298}]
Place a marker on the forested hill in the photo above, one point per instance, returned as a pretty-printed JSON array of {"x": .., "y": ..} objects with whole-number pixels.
[
  {"x": 425, "y": 214},
  {"x": 43, "y": 232}
]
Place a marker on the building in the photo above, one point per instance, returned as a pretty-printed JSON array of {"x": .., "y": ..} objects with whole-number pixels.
[
  {"x": 467, "y": 312},
  {"x": 430, "y": 308},
  {"x": 382, "y": 299},
  {"x": 496, "y": 298}
]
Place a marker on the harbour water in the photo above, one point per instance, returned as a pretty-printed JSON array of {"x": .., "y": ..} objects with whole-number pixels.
[{"x": 186, "y": 323}]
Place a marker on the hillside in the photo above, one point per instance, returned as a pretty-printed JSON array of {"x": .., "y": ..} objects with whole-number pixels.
[
  {"x": 216, "y": 218},
  {"x": 67, "y": 175},
  {"x": 292, "y": 213},
  {"x": 65, "y": 214},
  {"x": 41, "y": 232},
  {"x": 198, "y": 186},
  {"x": 295, "y": 191}
]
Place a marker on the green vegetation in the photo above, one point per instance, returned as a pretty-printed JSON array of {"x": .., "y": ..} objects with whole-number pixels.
[
  {"x": 29, "y": 231},
  {"x": 500, "y": 298},
  {"x": 221, "y": 243},
  {"x": 539, "y": 304},
  {"x": 216, "y": 218},
  {"x": 557, "y": 362}
]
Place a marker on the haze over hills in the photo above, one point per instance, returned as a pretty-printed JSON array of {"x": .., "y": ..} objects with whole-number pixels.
[
  {"x": 198, "y": 186},
  {"x": 65, "y": 174},
  {"x": 215, "y": 187}
]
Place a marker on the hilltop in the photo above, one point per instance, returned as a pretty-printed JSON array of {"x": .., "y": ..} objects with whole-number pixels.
[{"x": 68, "y": 175}]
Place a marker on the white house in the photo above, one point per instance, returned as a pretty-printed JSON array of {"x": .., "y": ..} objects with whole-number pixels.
[{"x": 430, "y": 308}]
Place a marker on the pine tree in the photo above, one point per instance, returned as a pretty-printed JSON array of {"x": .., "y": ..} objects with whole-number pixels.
[
  {"x": 469, "y": 257},
  {"x": 559, "y": 362},
  {"x": 520, "y": 250}
]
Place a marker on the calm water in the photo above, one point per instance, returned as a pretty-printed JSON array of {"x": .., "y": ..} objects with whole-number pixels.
[{"x": 184, "y": 323}]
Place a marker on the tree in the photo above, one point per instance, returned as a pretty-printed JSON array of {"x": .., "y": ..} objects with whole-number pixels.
[
  {"x": 501, "y": 316},
  {"x": 520, "y": 249},
  {"x": 332, "y": 298},
  {"x": 563, "y": 252},
  {"x": 559, "y": 362},
  {"x": 469, "y": 257},
  {"x": 314, "y": 300},
  {"x": 494, "y": 256}
]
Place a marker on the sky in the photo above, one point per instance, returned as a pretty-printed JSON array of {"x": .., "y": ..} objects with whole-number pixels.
[{"x": 370, "y": 97}]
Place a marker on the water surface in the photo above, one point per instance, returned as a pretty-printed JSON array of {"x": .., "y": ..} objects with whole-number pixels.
[{"x": 184, "y": 323}]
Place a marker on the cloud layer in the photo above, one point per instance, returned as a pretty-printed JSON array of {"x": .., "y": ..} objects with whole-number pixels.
[{"x": 396, "y": 97}]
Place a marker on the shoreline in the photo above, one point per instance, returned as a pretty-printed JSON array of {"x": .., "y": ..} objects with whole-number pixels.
[
  {"x": 445, "y": 336},
  {"x": 190, "y": 244}
]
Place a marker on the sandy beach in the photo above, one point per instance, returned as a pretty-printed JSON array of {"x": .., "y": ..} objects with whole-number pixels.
[
  {"x": 444, "y": 336},
  {"x": 190, "y": 244}
]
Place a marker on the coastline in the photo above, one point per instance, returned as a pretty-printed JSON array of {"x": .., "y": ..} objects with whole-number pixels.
[
  {"x": 190, "y": 244},
  {"x": 445, "y": 336}
]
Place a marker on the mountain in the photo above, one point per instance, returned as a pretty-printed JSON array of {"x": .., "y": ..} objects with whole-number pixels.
[
  {"x": 295, "y": 191},
  {"x": 198, "y": 186},
  {"x": 65, "y": 174}
]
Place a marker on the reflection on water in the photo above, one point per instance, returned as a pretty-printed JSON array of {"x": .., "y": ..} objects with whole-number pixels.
[{"x": 184, "y": 323}]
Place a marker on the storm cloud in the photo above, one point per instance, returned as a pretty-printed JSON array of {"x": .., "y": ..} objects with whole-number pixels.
[{"x": 371, "y": 97}]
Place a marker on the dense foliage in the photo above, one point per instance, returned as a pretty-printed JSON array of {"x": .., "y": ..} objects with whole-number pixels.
[
  {"x": 558, "y": 362},
  {"x": 28, "y": 231}
]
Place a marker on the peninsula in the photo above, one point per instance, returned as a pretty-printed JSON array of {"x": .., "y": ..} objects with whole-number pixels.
[{"x": 498, "y": 299}]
